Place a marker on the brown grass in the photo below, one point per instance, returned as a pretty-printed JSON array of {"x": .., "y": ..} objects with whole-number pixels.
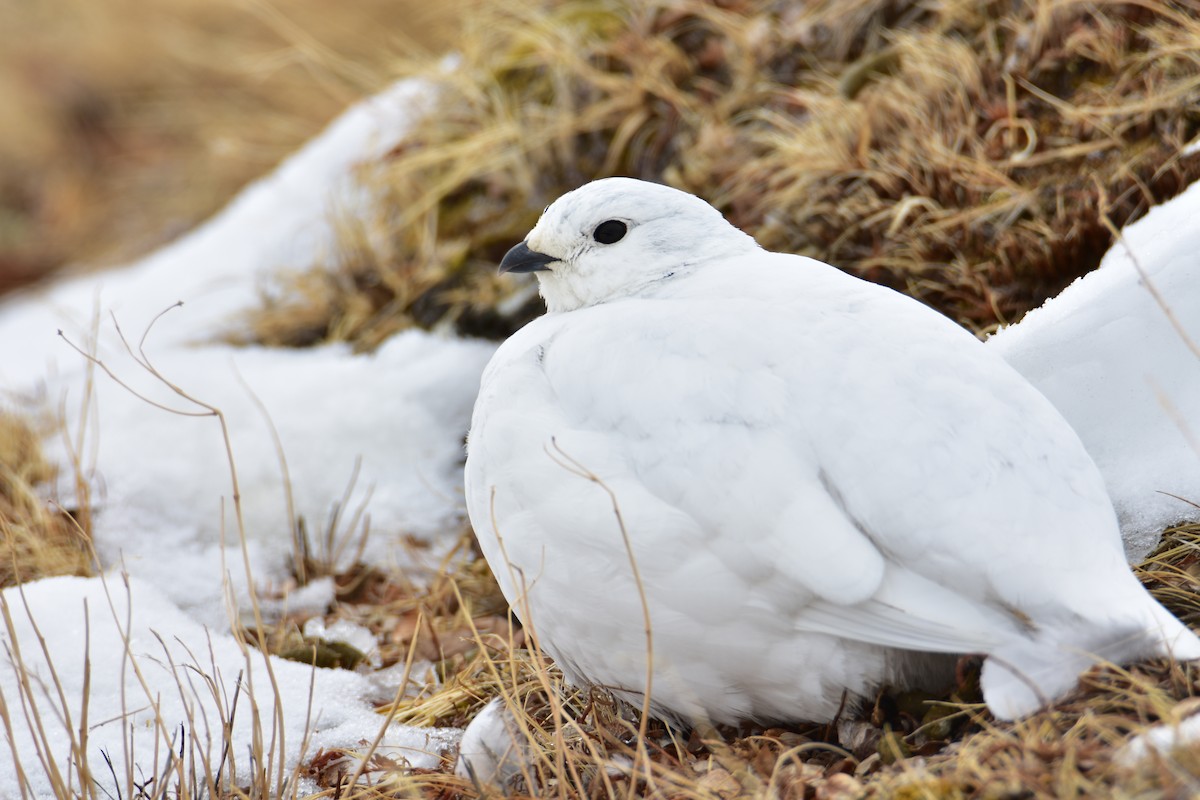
[
  {"x": 36, "y": 539},
  {"x": 960, "y": 151},
  {"x": 904, "y": 745}
]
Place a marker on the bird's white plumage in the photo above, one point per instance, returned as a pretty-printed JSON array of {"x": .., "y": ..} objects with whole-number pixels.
[{"x": 825, "y": 485}]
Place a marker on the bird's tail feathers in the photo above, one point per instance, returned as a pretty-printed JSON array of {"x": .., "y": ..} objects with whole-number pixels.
[
  {"x": 1026, "y": 674},
  {"x": 1174, "y": 639}
]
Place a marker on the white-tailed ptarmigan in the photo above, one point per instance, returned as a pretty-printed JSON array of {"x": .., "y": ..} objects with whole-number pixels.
[{"x": 824, "y": 485}]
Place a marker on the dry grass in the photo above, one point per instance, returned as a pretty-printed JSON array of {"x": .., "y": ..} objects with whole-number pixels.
[
  {"x": 36, "y": 540},
  {"x": 583, "y": 744},
  {"x": 963, "y": 152}
]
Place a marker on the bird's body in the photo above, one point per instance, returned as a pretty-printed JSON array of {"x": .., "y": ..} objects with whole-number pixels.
[{"x": 824, "y": 485}]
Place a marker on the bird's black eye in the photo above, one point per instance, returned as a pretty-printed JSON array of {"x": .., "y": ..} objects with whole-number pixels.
[{"x": 610, "y": 231}]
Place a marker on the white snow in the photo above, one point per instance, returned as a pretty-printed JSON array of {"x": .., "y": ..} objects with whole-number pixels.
[
  {"x": 1124, "y": 369},
  {"x": 152, "y": 675},
  {"x": 375, "y": 439},
  {"x": 378, "y": 436},
  {"x": 369, "y": 442}
]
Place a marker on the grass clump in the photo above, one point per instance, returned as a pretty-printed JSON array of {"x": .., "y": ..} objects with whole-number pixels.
[
  {"x": 581, "y": 743},
  {"x": 37, "y": 540},
  {"x": 966, "y": 153}
]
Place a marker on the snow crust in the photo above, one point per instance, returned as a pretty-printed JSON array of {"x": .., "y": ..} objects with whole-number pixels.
[
  {"x": 368, "y": 440},
  {"x": 151, "y": 674},
  {"x": 1118, "y": 353}
]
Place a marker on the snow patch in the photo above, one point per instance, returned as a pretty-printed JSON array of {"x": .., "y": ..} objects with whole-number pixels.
[
  {"x": 153, "y": 676},
  {"x": 1116, "y": 352},
  {"x": 369, "y": 442}
]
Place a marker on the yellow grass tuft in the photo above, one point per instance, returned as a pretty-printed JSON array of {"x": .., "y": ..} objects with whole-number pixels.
[
  {"x": 36, "y": 540},
  {"x": 964, "y": 153}
]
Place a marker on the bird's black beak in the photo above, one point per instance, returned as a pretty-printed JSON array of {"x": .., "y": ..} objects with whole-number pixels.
[{"x": 522, "y": 259}]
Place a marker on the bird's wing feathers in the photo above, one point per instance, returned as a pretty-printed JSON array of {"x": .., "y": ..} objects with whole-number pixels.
[
  {"x": 857, "y": 505},
  {"x": 911, "y": 612}
]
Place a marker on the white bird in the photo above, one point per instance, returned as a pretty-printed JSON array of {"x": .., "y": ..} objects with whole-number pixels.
[{"x": 801, "y": 483}]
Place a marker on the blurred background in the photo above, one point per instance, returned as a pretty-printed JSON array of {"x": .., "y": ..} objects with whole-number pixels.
[{"x": 123, "y": 123}]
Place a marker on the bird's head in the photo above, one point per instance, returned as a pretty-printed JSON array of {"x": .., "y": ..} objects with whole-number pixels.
[{"x": 615, "y": 237}]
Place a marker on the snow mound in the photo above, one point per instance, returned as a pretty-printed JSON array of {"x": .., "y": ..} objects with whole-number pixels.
[
  {"x": 155, "y": 678},
  {"x": 1117, "y": 353},
  {"x": 366, "y": 439},
  {"x": 362, "y": 441}
]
